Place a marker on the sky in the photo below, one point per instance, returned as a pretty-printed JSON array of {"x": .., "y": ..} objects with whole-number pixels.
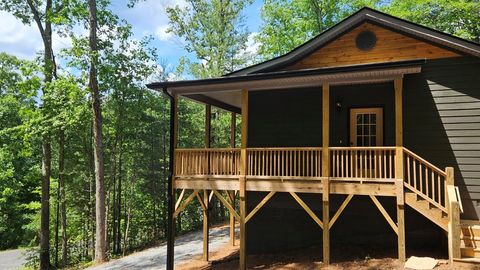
[{"x": 148, "y": 17}]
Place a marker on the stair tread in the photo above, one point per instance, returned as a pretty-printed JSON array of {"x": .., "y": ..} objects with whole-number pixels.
[
  {"x": 476, "y": 249},
  {"x": 432, "y": 213},
  {"x": 467, "y": 259}
]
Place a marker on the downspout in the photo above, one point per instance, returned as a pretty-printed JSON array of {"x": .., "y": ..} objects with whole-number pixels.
[{"x": 170, "y": 195}]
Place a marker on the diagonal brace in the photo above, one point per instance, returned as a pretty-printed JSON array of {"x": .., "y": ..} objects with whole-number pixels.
[
  {"x": 259, "y": 205},
  {"x": 226, "y": 204},
  {"x": 185, "y": 203},
  {"x": 307, "y": 209},
  {"x": 340, "y": 210},
  {"x": 384, "y": 213}
]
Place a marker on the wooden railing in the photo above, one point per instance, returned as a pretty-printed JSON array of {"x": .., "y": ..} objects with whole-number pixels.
[
  {"x": 210, "y": 162},
  {"x": 362, "y": 163},
  {"x": 425, "y": 180},
  {"x": 284, "y": 162}
]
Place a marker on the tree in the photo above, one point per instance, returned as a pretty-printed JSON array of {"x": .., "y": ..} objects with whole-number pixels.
[
  {"x": 214, "y": 31},
  {"x": 289, "y": 23},
  {"x": 20, "y": 83},
  {"x": 100, "y": 235},
  {"x": 28, "y": 12},
  {"x": 458, "y": 17}
]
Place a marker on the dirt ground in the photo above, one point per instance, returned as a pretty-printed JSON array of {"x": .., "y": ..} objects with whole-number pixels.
[{"x": 342, "y": 258}]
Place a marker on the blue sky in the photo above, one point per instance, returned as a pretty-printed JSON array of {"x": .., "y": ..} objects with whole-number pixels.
[{"x": 147, "y": 18}]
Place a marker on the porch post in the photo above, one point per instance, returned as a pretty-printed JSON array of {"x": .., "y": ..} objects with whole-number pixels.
[
  {"x": 242, "y": 188},
  {"x": 326, "y": 171},
  {"x": 399, "y": 170},
  {"x": 398, "y": 85},
  {"x": 231, "y": 193},
  {"x": 208, "y": 120},
  {"x": 171, "y": 184}
]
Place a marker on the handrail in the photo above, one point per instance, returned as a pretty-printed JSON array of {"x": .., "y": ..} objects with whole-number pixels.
[
  {"x": 362, "y": 148},
  {"x": 419, "y": 158},
  {"x": 362, "y": 163},
  {"x": 284, "y": 162},
  {"x": 425, "y": 179},
  {"x": 207, "y": 162},
  {"x": 457, "y": 195}
]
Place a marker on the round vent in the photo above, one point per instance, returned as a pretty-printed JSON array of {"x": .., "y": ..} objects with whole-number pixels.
[{"x": 366, "y": 40}]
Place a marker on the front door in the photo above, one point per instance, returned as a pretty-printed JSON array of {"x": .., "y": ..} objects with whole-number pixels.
[{"x": 366, "y": 127}]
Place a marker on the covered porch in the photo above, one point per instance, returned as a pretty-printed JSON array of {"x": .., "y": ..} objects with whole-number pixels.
[{"x": 365, "y": 167}]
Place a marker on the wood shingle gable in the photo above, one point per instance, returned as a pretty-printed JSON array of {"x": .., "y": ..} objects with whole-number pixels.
[{"x": 390, "y": 46}]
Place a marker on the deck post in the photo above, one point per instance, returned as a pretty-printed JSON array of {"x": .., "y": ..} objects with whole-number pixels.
[
  {"x": 399, "y": 170},
  {"x": 453, "y": 208},
  {"x": 401, "y": 220},
  {"x": 231, "y": 193},
  {"x": 326, "y": 171},
  {"x": 171, "y": 184},
  {"x": 208, "y": 121},
  {"x": 242, "y": 182}
]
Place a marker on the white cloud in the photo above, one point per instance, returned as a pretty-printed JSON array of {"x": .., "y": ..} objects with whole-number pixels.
[
  {"x": 162, "y": 34},
  {"x": 252, "y": 44},
  {"x": 24, "y": 41},
  {"x": 17, "y": 38}
]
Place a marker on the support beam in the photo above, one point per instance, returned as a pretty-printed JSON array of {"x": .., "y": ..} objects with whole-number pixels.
[
  {"x": 231, "y": 193},
  {"x": 326, "y": 221},
  {"x": 243, "y": 182},
  {"x": 340, "y": 210},
  {"x": 243, "y": 232},
  {"x": 180, "y": 198},
  {"x": 325, "y": 129},
  {"x": 384, "y": 213},
  {"x": 205, "y": 226},
  {"x": 401, "y": 221},
  {"x": 307, "y": 209},
  {"x": 226, "y": 204},
  {"x": 398, "y": 85},
  {"x": 326, "y": 171},
  {"x": 453, "y": 208},
  {"x": 260, "y": 205},
  {"x": 171, "y": 186},
  {"x": 208, "y": 125},
  {"x": 185, "y": 203}
]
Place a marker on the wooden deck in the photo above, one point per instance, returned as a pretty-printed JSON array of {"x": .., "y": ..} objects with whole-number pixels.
[{"x": 368, "y": 171}]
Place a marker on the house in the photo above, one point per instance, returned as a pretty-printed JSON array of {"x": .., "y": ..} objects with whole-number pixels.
[{"x": 375, "y": 108}]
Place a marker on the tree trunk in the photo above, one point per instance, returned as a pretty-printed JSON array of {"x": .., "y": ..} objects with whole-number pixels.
[
  {"x": 100, "y": 241},
  {"x": 45, "y": 206},
  {"x": 63, "y": 206}
]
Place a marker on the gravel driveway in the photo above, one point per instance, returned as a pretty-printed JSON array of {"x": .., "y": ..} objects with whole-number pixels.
[
  {"x": 186, "y": 247},
  {"x": 12, "y": 259}
]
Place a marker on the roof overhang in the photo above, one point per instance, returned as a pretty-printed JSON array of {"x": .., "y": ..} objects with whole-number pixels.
[{"x": 225, "y": 92}]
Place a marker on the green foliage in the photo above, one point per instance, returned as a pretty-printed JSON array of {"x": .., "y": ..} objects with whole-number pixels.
[
  {"x": 288, "y": 24},
  {"x": 214, "y": 31},
  {"x": 457, "y": 17},
  {"x": 18, "y": 160}
]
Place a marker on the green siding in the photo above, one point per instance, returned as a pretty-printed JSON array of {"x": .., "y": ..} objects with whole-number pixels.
[
  {"x": 285, "y": 118},
  {"x": 442, "y": 121}
]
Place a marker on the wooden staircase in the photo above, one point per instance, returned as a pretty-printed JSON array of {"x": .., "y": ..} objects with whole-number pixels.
[
  {"x": 470, "y": 240},
  {"x": 431, "y": 192},
  {"x": 428, "y": 210}
]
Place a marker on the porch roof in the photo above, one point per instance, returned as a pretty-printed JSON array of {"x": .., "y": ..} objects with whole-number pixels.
[{"x": 225, "y": 92}]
